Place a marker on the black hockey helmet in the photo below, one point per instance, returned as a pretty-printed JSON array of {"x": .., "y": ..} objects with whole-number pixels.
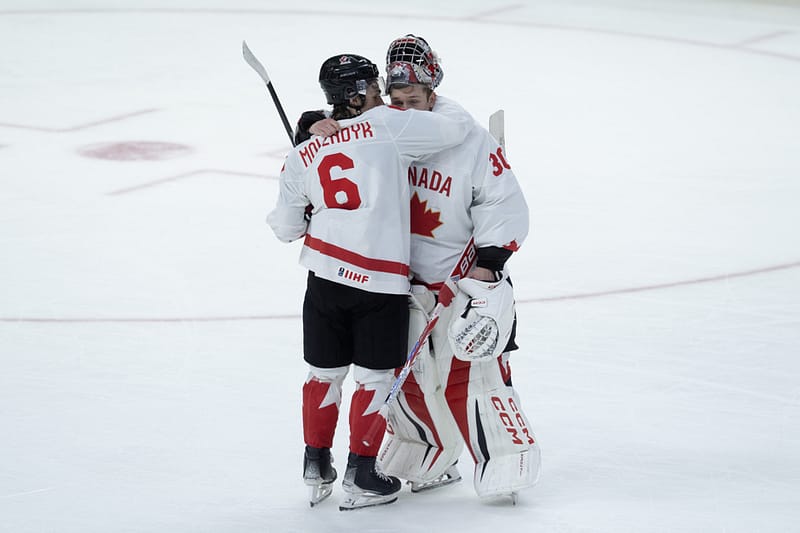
[{"x": 346, "y": 75}]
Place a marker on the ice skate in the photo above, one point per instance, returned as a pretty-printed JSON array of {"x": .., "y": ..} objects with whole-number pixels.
[
  {"x": 318, "y": 473},
  {"x": 451, "y": 475},
  {"x": 365, "y": 486}
]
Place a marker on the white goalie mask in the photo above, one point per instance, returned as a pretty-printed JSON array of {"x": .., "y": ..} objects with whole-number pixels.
[
  {"x": 483, "y": 317},
  {"x": 411, "y": 61}
]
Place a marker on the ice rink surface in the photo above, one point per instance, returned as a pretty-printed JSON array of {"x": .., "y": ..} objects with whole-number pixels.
[{"x": 150, "y": 341}]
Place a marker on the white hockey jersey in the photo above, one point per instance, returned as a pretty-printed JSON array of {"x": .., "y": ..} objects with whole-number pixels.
[
  {"x": 466, "y": 190},
  {"x": 357, "y": 183}
]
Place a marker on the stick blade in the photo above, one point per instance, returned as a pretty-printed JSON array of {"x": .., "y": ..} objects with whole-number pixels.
[
  {"x": 253, "y": 61},
  {"x": 497, "y": 127}
]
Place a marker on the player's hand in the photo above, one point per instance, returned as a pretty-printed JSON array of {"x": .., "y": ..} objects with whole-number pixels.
[
  {"x": 482, "y": 274},
  {"x": 325, "y": 127}
]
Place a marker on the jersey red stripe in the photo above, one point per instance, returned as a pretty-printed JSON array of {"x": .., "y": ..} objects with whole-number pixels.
[{"x": 367, "y": 263}]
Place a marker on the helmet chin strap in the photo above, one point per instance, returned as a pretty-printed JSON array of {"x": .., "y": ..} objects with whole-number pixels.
[
  {"x": 352, "y": 110},
  {"x": 361, "y": 101}
]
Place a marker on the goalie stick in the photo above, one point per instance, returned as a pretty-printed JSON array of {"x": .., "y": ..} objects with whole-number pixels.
[
  {"x": 259, "y": 68},
  {"x": 446, "y": 295},
  {"x": 497, "y": 127}
]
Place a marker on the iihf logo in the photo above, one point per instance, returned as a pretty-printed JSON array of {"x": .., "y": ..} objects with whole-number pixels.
[{"x": 346, "y": 273}]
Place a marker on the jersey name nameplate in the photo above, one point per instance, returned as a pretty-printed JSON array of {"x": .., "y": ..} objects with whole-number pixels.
[{"x": 353, "y": 132}]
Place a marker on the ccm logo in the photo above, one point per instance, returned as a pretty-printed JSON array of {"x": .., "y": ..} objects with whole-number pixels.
[{"x": 513, "y": 420}]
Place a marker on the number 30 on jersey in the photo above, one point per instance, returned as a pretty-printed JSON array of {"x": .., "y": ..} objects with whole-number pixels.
[{"x": 498, "y": 161}]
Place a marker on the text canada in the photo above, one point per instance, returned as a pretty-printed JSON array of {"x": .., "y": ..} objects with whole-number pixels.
[{"x": 431, "y": 179}]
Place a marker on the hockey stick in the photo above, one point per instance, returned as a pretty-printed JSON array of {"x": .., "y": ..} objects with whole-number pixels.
[
  {"x": 259, "y": 68},
  {"x": 446, "y": 295},
  {"x": 497, "y": 127}
]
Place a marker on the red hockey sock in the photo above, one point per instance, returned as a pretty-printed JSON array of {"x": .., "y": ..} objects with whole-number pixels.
[{"x": 320, "y": 412}]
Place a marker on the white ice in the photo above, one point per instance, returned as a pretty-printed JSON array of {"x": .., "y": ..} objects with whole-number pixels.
[{"x": 150, "y": 342}]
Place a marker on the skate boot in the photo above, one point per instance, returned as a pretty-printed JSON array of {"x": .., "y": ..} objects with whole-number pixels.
[
  {"x": 451, "y": 475},
  {"x": 318, "y": 473},
  {"x": 365, "y": 486}
]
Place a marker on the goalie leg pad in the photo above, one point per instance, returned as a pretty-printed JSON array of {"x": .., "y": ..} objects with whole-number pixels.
[
  {"x": 489, "y": 413},
  {"x": 508, "y": 474},
  {"x": 422, "y": 440}
]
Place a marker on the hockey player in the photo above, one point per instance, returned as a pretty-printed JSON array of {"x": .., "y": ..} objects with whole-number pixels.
[
  {"x": 348, "y": 195},
  {"x": 463, "y": 381},
  {"x": 461, "y": 389}
]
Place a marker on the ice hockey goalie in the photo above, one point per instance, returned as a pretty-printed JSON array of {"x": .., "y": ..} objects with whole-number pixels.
[{"x": 460, "y": 393}]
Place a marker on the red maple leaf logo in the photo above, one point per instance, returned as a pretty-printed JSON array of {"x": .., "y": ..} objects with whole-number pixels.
[{"x": 423, "y": 220}]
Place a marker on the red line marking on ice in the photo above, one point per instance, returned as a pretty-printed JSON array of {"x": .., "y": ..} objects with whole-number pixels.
[
  {"x": 134, "y": 150},
  {"x": 80, "y": 126},
  {"x": 761, "y": 38},
  {"x": 613, "y": 292},
  {"x": 658, "y": 286},
  {"x": 189, "y": 174},
  {"x": 635, "y": 35}
]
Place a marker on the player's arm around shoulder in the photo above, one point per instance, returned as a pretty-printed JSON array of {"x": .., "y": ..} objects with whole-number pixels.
[
  {"x": 288, "y": 219},
  {"x": 419, "y": 133},
  {"x": 454, "y": 116},
  {"x": 450, "y": 108}
]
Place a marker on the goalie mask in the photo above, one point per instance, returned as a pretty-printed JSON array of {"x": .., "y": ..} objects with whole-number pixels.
[
  {"x": 485, "y": 318},
  {"x": 410, "y": 61},
  {"x": 345, "y": 76}
]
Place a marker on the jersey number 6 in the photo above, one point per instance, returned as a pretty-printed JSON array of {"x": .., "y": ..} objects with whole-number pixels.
[{"x": 338, "y": 193}]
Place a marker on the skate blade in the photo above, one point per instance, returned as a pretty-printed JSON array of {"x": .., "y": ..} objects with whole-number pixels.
[
  {"x": 360, "y": 501},
  {"x": 501, "y": 498},
  {"x": 317, "y": 493},
  {"x": 435, "y": 484}
]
